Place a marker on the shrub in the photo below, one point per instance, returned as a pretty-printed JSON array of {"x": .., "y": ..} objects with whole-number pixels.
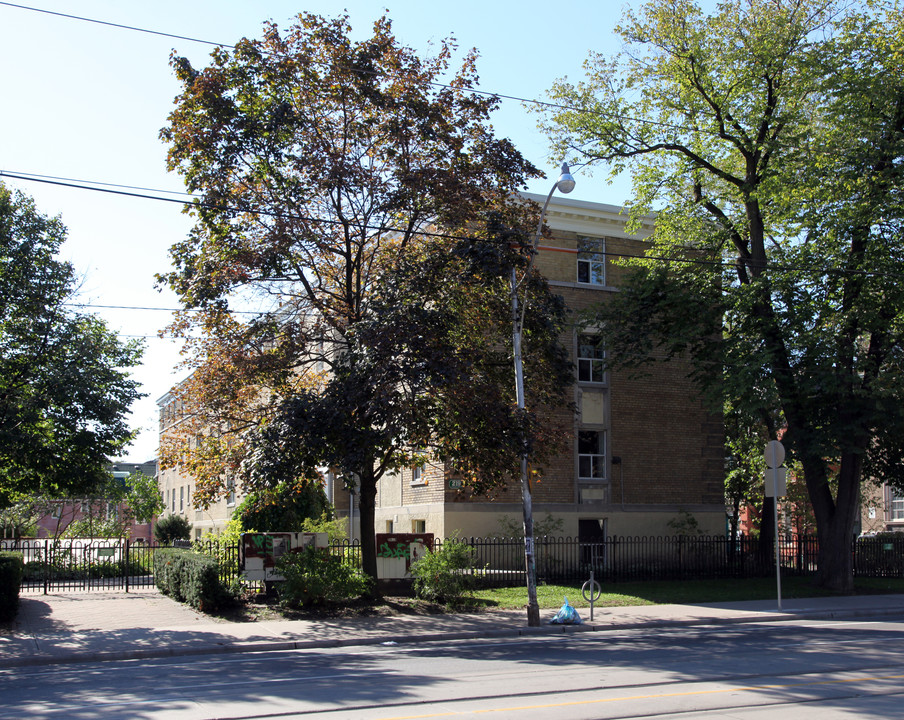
[
  {"x": 12, "y": 568},
  {"x": 314, "y": 576},
  {"x": 285, "y": 507},
  {"x": 190, "y": 577},
  {"x": 446, "y": 574},
  {"x": 168, "y": 572},
  {"x": 335, "y": 528},
  {"x": 172, "y": 527}
]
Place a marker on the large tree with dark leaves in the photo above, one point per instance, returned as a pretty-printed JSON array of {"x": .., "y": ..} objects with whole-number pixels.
[
  {"x": 770, "y": 135},
  {"x": 65, "y": 389},
  {"x": 356, "y": 193}
]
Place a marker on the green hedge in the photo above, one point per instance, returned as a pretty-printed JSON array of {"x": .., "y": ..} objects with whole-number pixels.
[
  {"x": 314, "y": 576},
  {"x": 190, "y": 577},
  {"x": 12, "y": 568}
]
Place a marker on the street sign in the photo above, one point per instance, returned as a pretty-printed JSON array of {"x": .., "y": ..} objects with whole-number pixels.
[
  {"x": 775, "y": 454},
  {"x": 455, "y": 483},
  {"x": 776, "y": 482}
]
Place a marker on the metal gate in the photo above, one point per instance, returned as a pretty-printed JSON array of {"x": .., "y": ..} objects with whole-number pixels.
[{"x": 75, "y": 565}]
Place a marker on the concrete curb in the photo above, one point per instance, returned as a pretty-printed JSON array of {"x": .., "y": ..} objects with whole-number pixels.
[{"x": 277, "y": 645}]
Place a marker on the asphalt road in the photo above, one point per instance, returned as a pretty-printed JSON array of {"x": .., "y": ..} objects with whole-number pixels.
[{"x": 804, "y": 669}]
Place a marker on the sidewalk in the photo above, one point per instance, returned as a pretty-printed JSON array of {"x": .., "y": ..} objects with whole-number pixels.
[{"x": 93, "y": 627}]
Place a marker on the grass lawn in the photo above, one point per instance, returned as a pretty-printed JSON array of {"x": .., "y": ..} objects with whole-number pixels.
[{"x": 692, "y": 591}]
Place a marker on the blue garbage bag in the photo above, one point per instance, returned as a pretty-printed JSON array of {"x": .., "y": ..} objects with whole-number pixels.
[{"x": 566, "y": 615}]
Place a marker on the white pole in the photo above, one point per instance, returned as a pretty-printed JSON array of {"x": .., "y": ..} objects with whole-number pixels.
[
  {"x": 778, "y": 564},
  {"x": 564, "y": 184}
]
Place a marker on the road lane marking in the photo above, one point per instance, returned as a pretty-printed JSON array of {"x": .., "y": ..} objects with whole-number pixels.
[{"x": 653, "y": 696}]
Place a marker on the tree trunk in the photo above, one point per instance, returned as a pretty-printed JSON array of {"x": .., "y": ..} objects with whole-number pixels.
[
  {"x": 835, "y": 519},
  {"x": 366, "y": 506}
]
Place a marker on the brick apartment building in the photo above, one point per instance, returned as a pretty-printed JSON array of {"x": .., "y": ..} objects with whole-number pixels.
[{"x": 644, "y": 450}]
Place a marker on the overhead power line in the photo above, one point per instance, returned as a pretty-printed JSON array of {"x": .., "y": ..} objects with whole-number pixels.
[
  {"x": 473, "y": 91},
  {"x": 114, "y": 189},
  {"x": 113, "y": 24}
]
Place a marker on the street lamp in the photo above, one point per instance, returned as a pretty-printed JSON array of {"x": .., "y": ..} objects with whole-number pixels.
[{"x": 565, "y": 183}]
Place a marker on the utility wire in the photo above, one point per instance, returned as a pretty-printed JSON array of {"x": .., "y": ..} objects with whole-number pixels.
[
  {"x": 112, "y": 24},
  {"x": 115, "y": 190},
  {"x": 151, "y": 309},
  {"x": 473, "y": 91}
]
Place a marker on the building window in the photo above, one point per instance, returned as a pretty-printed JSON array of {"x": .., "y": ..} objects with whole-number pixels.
[
  {"x": 419, "y": 526},
  {"x": 230, "y": 492},
  {"x": 182, "y": 498},
  {"x": 591, "y": 455},
  {"x": 419, "y": 475},
  {"x": 897, "y": 506},
  {"x": 590, "y": 359},
  {"x": 592, "y": 261},
  {"x": 389, "y": 527}
]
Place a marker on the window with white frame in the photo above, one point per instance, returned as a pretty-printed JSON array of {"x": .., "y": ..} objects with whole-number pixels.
[
  {"x": 897, "y": 506},
  {"x": 592, "y": 261},
  {"x": 590, "y": 359},
  {"x": 419, "y": 475},
  {"x": 182, "y": 498},
  {"x": 591, "y": 455}
]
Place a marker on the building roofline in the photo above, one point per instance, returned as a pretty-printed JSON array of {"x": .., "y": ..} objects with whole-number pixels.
[{"x": 583, "y": 216}]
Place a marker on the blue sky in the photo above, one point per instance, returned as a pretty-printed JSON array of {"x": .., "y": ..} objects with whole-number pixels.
[{"x": 86, "y": 101}]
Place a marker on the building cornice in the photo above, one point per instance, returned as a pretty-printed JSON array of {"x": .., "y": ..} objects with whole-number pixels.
[{"x": 581, "y": 216}]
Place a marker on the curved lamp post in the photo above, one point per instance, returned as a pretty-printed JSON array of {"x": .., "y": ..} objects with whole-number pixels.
[{"x": 565, "y": 184}]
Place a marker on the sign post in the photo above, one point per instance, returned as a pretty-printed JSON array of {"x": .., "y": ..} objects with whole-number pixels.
[{"x": 776, "y": 487}]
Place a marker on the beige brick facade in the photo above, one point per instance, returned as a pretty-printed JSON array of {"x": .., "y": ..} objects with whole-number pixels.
[
  {"x": 655, "y": 451},
  {"x": 659, "y": 451}
]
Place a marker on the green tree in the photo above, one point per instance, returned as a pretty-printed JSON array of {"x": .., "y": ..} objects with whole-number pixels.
[
  {"x": 172, "y": 527},
  {"x": 769, "y": 134},
  {"x": 65, "y": 389},
  {"x": 284, "y": 507},
  {"x": 110, "y": 508},
  {"x": 346, "y": 187},
  {"x": 21, "y": 518}
]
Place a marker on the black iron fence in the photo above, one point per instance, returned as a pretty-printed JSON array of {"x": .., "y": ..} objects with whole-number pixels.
[
  {"x": 98, "y": 564},
  {"x": 83, "y": 564},
  {"x": 104, "y": 564},
  {"x": 622, "y": 558}
]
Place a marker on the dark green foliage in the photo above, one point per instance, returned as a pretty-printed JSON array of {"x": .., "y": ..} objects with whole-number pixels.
[
  {"x": 168, "y": 572},
  {"x": 336, "y": 175},
  {"x": 768, "y": 136},
  {"x": 12, "y": 569},
  {"x": 283, "y": 508},
  {"x": 65, "y": 389},
  {"x": 172, "y": 527},
  {"x": 190, "y": 577},
  {"x": 447, "y": 574},
  {"x": 314, "y": 576}
]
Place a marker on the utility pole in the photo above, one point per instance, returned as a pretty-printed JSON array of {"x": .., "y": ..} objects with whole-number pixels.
[{"x": 565, "y": 183}]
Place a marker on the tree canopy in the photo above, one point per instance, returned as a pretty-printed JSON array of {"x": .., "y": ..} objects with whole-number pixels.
[
  {"x": 357, "y": 195},
  {"x": 65, "y": 389},
  {"x": 768, "y": 136}
]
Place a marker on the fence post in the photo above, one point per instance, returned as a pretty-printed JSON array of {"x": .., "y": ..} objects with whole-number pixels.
[
  {"x": 126, "y": 564},
  {"x": 46, "y": 563}
]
